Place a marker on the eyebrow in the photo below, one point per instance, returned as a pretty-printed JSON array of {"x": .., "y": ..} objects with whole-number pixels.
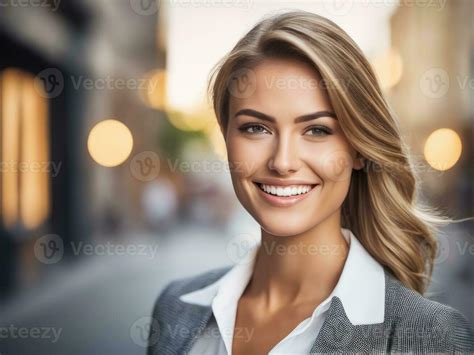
[{"x": 299, "y": 119}]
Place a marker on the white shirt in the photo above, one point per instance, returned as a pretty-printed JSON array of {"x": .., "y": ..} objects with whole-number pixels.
[{"x": 361, "y": 289}]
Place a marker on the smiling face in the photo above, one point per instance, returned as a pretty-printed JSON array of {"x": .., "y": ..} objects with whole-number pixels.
[{"x": 283, "y": 132}]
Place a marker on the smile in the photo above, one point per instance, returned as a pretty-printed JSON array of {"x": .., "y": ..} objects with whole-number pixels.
[
  {"x": 292, "y": 190},
  {"x": 284, "y": 196}
]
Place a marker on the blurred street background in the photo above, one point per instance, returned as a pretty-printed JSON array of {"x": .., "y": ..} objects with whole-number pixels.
[{"x": 114, "y": 178}]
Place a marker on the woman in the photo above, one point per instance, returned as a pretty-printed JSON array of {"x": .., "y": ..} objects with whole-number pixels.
[{"x": 346, "y": 251}]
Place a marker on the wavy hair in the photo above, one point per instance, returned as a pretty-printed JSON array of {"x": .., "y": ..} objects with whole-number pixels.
[{"x": 381, "y": 207}]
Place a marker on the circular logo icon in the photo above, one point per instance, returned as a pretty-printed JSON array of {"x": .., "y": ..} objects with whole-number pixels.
[
  {"x": 49, "y": 83},
  {"x": 145, "y": 331},
  {"x": 239, "y": 249},
  {"x": 145, "y": 7},
  {"x": 434, "y": 83},
  {"x": 242, "y": 83},
  {"x": 338, "y": 7},
  {"x": 442, "y": 253},
  {"x": 49, "y": 249},
  {"x": 337, "y": 165},
  {"x": 145, "y": 166}
]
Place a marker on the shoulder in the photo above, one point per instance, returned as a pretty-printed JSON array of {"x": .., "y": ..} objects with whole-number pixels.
[
  {"x": 187, "y": 284},
  {"x": 433, "y": 325},
  {"x": 168, "y": 310},
  {"x": 174, "y": 289}
]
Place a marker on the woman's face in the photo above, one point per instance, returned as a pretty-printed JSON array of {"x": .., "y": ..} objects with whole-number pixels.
[{"x": 265, "y": 145}]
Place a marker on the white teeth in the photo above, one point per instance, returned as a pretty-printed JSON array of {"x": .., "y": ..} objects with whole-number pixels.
[{"x": 286, "y": 191}]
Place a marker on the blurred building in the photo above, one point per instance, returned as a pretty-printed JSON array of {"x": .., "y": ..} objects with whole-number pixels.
[
  {"x": 39, "y": 126},
  {"x": 93, "y": 150},
  {"x": 434, "y": 89},
  {"x": 64, "y": 67}
]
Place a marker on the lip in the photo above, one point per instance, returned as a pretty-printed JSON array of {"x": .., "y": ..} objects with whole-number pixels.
[
  {"x": 284, "y": 201},
  {"x": 283, "y": 182}
]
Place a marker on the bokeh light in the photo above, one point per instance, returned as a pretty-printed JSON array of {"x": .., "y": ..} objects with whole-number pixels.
[
  {"x": 154, "y": 92},
  {"x": 443, "y": 149},
  {"x": 110, "y": 143},
  {"x": 388, "y": 67}
]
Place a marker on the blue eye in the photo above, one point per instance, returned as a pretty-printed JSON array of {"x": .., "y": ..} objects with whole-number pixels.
[
  {"x": 245, "y": 129},
  {"x": 320, "y": 131}
]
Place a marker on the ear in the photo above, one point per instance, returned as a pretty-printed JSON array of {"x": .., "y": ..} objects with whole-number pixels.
[{"x": 359, "y": 162}]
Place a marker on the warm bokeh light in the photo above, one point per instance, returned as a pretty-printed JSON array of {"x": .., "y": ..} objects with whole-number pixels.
[
  {"x": 154, "y": 93},
  {"x": 388, "y": 67},
  {"x": 110, "y": 143},
  {"x": 197, "y": 119},
  {"x": 10, "y": 104},
  {"x": 24, "y": 125},
  {"x": 217, "y": 140},
  {"x": 443, "y": 149},
  {"x": 34, "y": 192}
]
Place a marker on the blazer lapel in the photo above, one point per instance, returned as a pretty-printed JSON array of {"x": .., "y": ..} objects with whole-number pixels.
[
  {"x": 192, "y": 321},
  {"x": 336, "y": 332}
]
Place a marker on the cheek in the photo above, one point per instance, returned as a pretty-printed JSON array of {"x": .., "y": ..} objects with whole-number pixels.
[
  {"x": 333, "y": 163},
  {"x": 334, "y": 168},
  {"x": 241, "y": 155}
]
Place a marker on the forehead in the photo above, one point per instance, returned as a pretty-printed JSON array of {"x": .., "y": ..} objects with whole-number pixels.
[{"x": 283, "y": 87}]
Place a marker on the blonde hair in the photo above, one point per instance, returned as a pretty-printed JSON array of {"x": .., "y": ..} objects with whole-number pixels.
[{"x": 381, "y": 207}]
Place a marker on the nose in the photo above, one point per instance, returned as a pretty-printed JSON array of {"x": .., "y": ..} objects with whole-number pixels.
[{"x": 284, "y": 159}]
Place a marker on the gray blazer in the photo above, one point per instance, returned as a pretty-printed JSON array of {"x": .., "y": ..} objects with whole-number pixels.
[{"x": 412, "y": 323}]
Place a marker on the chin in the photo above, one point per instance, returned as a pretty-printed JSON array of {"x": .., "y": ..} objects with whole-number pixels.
[{"x": 276, "y": 228}]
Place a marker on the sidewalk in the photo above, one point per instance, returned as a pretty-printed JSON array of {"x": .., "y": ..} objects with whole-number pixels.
[{"x": 94, "y": 307}]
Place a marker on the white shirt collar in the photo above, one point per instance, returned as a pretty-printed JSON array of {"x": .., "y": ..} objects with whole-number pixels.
[{"x": 361, "y": 287}]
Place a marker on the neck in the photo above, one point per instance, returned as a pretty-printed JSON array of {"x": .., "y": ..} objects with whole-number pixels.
[{"x": 296, "y": 269}]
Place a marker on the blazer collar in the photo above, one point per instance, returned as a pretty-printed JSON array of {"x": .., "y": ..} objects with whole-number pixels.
[{"x": 360, "y": 288}]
